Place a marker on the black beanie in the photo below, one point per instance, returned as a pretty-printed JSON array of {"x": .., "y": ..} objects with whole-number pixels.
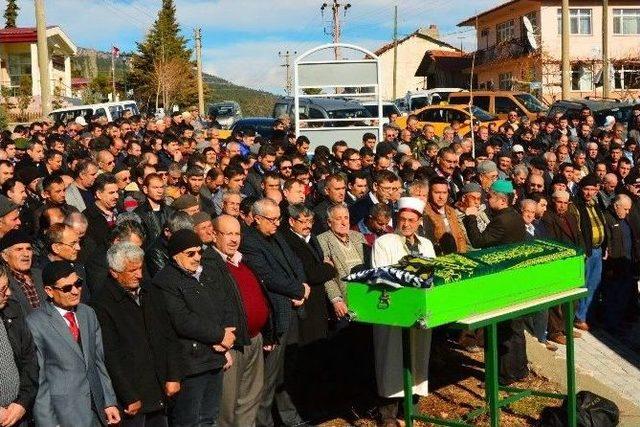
[{"x": 182, "y": 240}]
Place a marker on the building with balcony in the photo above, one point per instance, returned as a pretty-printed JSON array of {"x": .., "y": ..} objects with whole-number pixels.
[
  {"x": 506, "y": 59},
  {"x": 19, "y": 59}
]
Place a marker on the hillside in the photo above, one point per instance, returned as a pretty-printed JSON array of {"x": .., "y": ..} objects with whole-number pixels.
[{"x": 90, "y": 63}]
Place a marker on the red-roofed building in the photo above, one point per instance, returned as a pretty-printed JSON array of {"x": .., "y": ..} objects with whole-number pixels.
[{"x": 19, "y": 57}]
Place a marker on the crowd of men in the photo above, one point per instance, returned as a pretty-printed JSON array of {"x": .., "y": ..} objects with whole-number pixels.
[{"x": 154, "y": 274}]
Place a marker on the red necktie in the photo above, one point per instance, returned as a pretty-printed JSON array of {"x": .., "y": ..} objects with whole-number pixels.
[{"x": 73, "y": 326}]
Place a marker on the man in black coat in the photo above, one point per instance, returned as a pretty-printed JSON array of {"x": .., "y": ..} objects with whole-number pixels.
[
  {"x": 199, "y": 314},
  {"x": 506, "y": 226},
  {"x": 18, "y": 360},
  {"x": 154, "y": 213},
  {"x": 267, "y": 253},
  {"x": 142, "y": 352},
  {"x": 101, "y": 216}
]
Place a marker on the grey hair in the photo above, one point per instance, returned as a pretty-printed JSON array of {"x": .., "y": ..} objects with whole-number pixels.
[
  {"x": 561, "y": 194},
  {"x": 332, "y": 209},
  {"x": 622, "y": 198},
  {"x": 260, "y": 206},
  {"x": 417, "y": 185},
  {"x": 526, "y": 202},
  {"x": 520, "y": 170},
  {"x": 119, "y": 254},
  {"x": 179, "y": 221},
  {"x": 298, "y": 210},
  {"x": 76, "y": 218},
  {"x": 228, "y": 193},
  {"x": 128, "y": 216}
]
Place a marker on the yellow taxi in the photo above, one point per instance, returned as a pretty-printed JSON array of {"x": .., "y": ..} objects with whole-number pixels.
[{"x": 441, "y": 116}]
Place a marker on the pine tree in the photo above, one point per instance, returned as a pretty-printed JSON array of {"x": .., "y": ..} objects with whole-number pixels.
[
  {"x": 160, "y": 58},
  {"x": 11, "y": 14}
]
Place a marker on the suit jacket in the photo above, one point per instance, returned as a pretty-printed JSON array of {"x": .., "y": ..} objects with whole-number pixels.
[
  {"x": 332, "y": 249},
  {"x": 73, "y": 377},
  {"x": 360, "y": 209},
  {"x": 141, "y": 349},
  {"x": 74, "y": 198},
  {"x": 98, "y": 229},
  {"x": 24, "y": 353},
  {"x": 274, "y": 262},
  {"x": 563, "y": 230},
  {"x": 314, "y": 316},
  {"x": 18, "y": 294},
  {"x": 506, "y": 226}
]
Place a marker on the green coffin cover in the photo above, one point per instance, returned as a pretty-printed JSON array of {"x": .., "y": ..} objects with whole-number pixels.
[{"x": 487, "y": 279}]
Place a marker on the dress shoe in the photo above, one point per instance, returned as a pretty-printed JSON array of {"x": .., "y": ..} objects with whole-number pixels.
[
  {"x": 550, "y": 346},
  {"x": 581, "y": 325},
  {"x": 560, "y": 339}
]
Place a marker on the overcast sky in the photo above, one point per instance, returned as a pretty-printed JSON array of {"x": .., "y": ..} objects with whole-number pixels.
[{"x": 241, "y": 38}]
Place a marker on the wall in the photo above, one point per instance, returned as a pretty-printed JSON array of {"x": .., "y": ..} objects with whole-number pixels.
[{"x": 410, "y": 54}]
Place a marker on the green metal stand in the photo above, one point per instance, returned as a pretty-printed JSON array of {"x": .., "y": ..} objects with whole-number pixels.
[{"x": 490, "y": 322}]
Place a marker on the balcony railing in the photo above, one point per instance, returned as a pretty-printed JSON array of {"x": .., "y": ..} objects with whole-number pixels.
[{"x": 504, "y": 50}]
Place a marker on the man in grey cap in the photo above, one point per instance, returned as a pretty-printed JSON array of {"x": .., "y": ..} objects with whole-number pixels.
[
  {"x": 9, "y": 216},
  {"x": 471, "y": 196},
  {"x": 487, "y": 175}
]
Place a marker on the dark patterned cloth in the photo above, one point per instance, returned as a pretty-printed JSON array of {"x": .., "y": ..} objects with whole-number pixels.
[
  {"x": 28, "y": 287},
  {"x": 10, "y": 377}
]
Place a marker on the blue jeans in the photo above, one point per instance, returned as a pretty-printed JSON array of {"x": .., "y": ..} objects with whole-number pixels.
[
  {"x": 593, "y": 273},
  {"x": 197, "y": 404}
]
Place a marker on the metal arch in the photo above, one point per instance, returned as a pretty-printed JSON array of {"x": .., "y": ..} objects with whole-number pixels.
[{"x": 331, "y": 46}]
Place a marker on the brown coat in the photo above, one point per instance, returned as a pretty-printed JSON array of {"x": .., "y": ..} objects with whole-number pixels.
[{"x": 435, "y": 230}]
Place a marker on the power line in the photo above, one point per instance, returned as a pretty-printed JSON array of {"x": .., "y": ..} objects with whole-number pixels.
[
  {"x": 287, "y": 66},
  {"x": 335, "y": 32}
]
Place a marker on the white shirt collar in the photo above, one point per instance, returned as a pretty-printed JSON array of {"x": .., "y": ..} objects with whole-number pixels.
[
  {"x": 234, "y": 259},
  {"x": 306, "y": 239}
]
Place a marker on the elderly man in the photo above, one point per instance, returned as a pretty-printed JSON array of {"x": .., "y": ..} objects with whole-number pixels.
[
  {"x": 607, "y": 190},
  {"x": 199, "y": 314},
  {"x": 9, "y": 216},
  {"x": 376, "y": 224},
  {"x": 16, "y": 251},
  {"x": 243, "y": 381},
  {"x": 267, "y": 253},
  {"x": 18, "y": 360},
  {"x": 388, "y": 250},
  {"x": 487, "y": 175},
  {"x": 620, "y": 269},
  {"x": 441, "y": 224},
  {"x": 506, "y": 226},
  {"x": 471, "y": 196},
  {"x": 70, "y": 355},
  {"x": 594, "y": 234},
  {"x": 231, "y": 203},
  {"x": 142, "y": 352}
]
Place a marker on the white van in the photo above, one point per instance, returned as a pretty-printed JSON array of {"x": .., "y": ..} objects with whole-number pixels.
[
  {"x": 416, "y": 100},
  {"x": 111, "y": 110}
]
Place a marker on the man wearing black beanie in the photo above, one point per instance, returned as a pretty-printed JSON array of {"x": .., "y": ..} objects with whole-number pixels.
[{"x": 199, "y": 313}]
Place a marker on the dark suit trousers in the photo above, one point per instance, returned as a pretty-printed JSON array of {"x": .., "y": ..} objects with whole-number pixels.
[
  {"x": 152, "y": 419},
  {"x": 512, "y": 351}
]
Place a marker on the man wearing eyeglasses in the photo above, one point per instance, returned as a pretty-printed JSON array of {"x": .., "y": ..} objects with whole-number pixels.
[
  {"x": 199, "y": 311},
  {"x": 75, "y": 388},
  {"x": 270, "y": 257}
]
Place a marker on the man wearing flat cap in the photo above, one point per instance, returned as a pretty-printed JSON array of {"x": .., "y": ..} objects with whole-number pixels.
[
  {"x": 388, "y": 250},
  {"x": 200, "y": 315},
  {"x": 17, "y": 253},
  {"x": 506, "y": 226},
  {"x": 75, "y": 389},
  {"x": 186, "y": 203},
  {"x": 9, "y": 215},
  {"x": 594, "y": 233}
]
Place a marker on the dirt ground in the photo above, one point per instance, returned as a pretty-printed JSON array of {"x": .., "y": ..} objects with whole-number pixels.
[{"x": 456, "y": 386}]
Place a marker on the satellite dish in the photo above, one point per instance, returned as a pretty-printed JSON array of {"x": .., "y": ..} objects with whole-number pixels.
[
  {"x": 531, "y": 38},
  {"x": 527, "y": 24}
]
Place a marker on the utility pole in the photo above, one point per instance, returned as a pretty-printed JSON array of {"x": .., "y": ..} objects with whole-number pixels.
[
  {"x": 566, "y": 60},
  {"x": 336, "y": 30},
  {"x": 287, "y": 67},
  {"x": 395, "y": 51},
  {"x": 43, "y": 59},
  {"x": 113, "y": 74},
  {"x": 198, "y": 37},
  {"x": 606, "y": 78}
]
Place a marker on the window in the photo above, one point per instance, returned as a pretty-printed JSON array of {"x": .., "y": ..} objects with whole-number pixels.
[
  {"x": 626, "y": 21},
  {"x": 581, "y": 78},
  {"x": 278, "y": 110},
  {"x": 504, "y": 105},
  {"x": 505, "y": 31},
  {"x": 533, "y": 18},
  {"x": 19, "y": 65},
  {"x": 435, "y": 115},
  {"x": 579, "y": 21},
  {"x": 505, "y": 80},
  {"x": 626, "y": 77}
]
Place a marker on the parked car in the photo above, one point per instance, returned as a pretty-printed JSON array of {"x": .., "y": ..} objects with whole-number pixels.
[
  {"x": 226, "y": 113},
  {"x": 111, "y": 110},
  {"x": 416, "y": 100},
  {"x": 501, "y": 102},
  {"x": 401, "y": 103},
  {"x": 622, "y": 111},
  {"x": 263, "y": 126},
  {"x": 323, "y": 108},
  {"x": 388, "y": 108},
  {"x": 441, "y": 116}
]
